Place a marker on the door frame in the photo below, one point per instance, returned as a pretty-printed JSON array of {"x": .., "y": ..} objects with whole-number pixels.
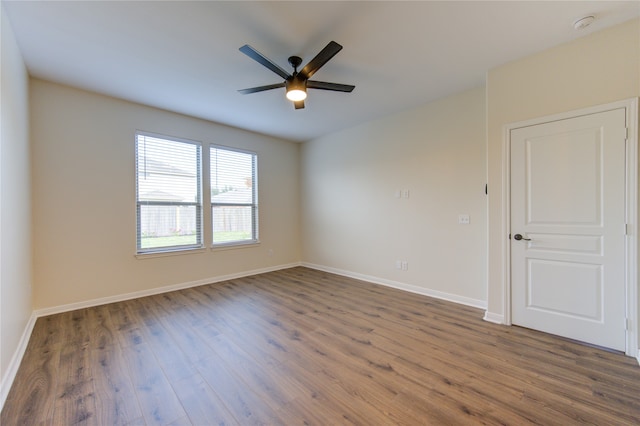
[{"x": 631, "y": 210}]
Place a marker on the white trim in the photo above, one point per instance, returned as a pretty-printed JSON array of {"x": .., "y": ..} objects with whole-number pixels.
[
  {"x": 235, "y": 245},
  {"x": 165, "y": 253},
  {"x": 157, "y": 290},
  {"x": 631, "y": 249},
  {"x": 632, "y": 222},
  {"x": 481, "y": 304},
  {"x": 493, "y": 317},
  {"x": 16, "y": 359},
  {"x": 12, "y": 370},
  {"x": 506, "y": 228}
]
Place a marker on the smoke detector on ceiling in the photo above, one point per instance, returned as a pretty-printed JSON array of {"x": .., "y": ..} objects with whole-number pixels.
[{"x": 583, "y": 22}]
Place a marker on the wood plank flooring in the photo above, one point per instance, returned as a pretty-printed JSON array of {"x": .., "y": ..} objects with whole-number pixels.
[{"x": 300, "y": 346}]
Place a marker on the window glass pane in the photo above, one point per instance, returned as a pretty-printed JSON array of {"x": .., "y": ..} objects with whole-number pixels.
[
  {"x": 233, "y": 195},
  {"x": 232, "y": 223},
  {"x": 168, "y": 226},
  {"x": 167, "y": 170},
  {"x": 168, "y": 193},
  {"x": 231, "y": 173}
]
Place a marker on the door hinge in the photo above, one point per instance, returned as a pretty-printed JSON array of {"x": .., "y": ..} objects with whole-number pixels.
[
  {"x": 627, "y": 229},
  {"x": 627, "y": 324}
]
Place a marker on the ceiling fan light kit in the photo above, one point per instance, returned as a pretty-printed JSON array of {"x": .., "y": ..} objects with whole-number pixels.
[
  {"x": 296, "y": 84},
  {"x": 296, "y": 94}
]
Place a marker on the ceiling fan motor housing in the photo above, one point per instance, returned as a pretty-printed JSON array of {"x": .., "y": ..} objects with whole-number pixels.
[{"x": 295, "y": 82}]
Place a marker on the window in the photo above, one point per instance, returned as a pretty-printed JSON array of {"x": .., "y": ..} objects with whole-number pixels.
[
  {"x": 234, "y": 201},
  {"x": 172, "y": 188},
  {"x": 168, "y": 194}
]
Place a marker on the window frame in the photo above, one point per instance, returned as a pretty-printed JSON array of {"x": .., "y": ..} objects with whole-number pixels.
[
  {"x": 198, "y": 204},
  {"x": 254, "y": 204}
]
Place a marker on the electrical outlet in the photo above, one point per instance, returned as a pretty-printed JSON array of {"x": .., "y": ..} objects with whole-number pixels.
[
  {"x": 405, "y": 193},
  {"x": 405, "y": 265},
  {"x": 463, "y": 219}
]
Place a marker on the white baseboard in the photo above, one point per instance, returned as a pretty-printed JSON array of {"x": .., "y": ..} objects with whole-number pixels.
[
  {"x": 16, "y": 359},
  {"x": 494, "y": 318},
  {"x": 12, "y": 370},
  {"x": 402, "y": 286},
  {"x": 158, "y": 290}
]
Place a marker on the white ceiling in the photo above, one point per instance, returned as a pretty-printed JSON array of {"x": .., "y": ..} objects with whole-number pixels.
[{"x": 183, "y": 56}]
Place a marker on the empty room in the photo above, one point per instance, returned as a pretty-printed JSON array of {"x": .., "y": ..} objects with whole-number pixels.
[{"x": 319, "y": 212}]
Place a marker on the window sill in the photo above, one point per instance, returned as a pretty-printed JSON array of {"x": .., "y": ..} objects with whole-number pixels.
[
  {"x": 179, "y": 252},
  {"x": 154, "y": 254},
  {"x": 235, "y": 245}
]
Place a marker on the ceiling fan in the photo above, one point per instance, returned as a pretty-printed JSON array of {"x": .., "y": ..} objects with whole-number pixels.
[{"x": 297, "y": 83}]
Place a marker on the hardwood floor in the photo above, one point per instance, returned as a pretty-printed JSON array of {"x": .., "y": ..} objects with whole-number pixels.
[{"x": 301, "y": 346}]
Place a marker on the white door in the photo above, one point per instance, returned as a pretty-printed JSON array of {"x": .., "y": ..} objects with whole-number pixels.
[{"x": 567, "y": 228}]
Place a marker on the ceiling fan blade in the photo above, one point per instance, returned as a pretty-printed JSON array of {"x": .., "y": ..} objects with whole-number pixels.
[
  {"x": 299, "y": 104},
  {"x": 329, "y": 86},
  {"x": 261, "y": 88},
  {"x": 321, "y": 58},
  {"x": 260, "y": 58}
]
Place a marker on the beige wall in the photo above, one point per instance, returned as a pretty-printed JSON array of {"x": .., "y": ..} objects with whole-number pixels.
[
  {"x": 352, "y": 221},
  {"x": 84, "y": 198},
  {"x": 600, "y": 68},
  {"x": 15, "y": 215}
]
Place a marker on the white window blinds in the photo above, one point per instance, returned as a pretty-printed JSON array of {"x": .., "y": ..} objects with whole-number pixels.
[
  {"x": 168, "y": 193},
  {"x": 234, "y": 196}
]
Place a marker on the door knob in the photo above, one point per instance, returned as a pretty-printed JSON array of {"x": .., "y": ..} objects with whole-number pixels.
[{"x": 519, "y": 237}]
